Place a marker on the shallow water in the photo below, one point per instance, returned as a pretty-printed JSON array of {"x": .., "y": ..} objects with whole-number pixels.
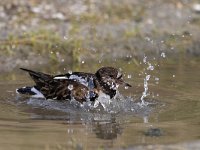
[{"x": 173, "y": 116}]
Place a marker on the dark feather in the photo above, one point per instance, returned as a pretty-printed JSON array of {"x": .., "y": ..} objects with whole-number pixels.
[
  {"x": 41, "y": 79},
  {"x": 59, "y": 89},
  {"x": 106, "y": 79}
]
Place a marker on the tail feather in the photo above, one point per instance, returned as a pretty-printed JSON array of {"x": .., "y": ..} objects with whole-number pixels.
[
  {"x": 33, "y": 91},
  {"x": 37, "y": 74},
  {"x": 25, "y": 90},
  {"x": 39, "y": 78}
]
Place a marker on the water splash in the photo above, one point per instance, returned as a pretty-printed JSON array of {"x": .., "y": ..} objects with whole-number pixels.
[
  {"x": 145, "y": 93},
  {"x": 119, "y": 104},
  {"x": 149, "y": 67}
]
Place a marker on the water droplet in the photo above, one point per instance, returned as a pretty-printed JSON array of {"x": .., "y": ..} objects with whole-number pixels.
[
  {"x": 62, "y": 60},
  {"x": 51, "y": 52},
  {"x": 145, "y": 59},
  {"x": 82, "y": 61},
  {"x": 173, "y": 76},
  {"x": 162, "y": 41},
  {"x": 150, "y": 67},
  {"x": 129, "y": 76},
  {"x": 163, "y": 55},
  {"x": 148, "y": 77},
  {"x": 126, "y": 87},
  {"x": 65, "y": 37},
  {"x": 70, "y": 87},
  {"x": 147, "y": 38},
  {"x": 70, "y": 72},
  {"x": 156, "y": 79}
]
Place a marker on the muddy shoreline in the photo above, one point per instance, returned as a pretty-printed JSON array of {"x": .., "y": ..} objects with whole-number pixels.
[{"x": 52, "y": 32}]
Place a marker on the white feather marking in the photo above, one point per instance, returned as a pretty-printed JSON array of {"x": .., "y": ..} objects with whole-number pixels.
[
  {"x": 38, "y": 94},
  {"x": 119, "y": 74},
  {"x": 79, "y": 79},
  {"x": 17, "y": 91},
  {"x": 61, "y": 77}
]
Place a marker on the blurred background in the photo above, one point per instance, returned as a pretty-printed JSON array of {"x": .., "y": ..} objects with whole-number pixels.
[
  {"x": 156, "y": 44},
  {"x": 60, "y": 32}
]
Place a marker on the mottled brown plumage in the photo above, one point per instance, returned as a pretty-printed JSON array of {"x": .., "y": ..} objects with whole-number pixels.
[{"x": 77, "y": 85}]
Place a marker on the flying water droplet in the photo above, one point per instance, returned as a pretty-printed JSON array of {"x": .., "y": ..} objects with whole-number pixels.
[
  {"x": 147, "y": 38},
  {"x": 150, "y": 67},
  {"x": 157, "y": 80},
  {"x": 145, "y": 59},
  {"x": 129, "y": 76},
  {"x": 126, "y": 87},
  {"x": 70, "y": 72},
  {"x": 65, "y": 37},
  {"x": 163, "y": 55}
]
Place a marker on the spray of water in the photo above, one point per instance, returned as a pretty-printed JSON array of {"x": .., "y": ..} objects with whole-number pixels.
[
  {"x": 149, "y": 67},
  {"x": 145, "y": 93}
]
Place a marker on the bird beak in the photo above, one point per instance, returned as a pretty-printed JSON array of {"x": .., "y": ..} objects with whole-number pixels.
[
  {"x": 122, "y": 82},
  {"x": 127, "y": 84}
]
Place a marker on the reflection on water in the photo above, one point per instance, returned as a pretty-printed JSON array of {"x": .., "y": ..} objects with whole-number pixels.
[
  {"x": 172, "y": 114},
  {"x": 107, "y": 131}
]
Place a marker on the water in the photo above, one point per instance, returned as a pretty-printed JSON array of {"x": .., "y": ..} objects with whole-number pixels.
[{"x": 172, "y": 116}]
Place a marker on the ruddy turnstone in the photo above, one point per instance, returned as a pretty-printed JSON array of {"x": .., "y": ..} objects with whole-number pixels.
[{"x": 80, "y": 86}]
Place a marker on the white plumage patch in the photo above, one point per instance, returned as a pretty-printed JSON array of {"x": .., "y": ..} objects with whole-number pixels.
[
  {"x": 79, "y": 79},
  {"x": 61, "y": 77},
  {"x": 38, "y": 94}
]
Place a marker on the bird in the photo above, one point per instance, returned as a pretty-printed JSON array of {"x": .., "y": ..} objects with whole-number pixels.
[{"x": 80, "y": 86}]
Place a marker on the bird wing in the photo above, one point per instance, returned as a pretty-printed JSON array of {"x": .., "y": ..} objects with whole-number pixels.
[{"x": 41, "y": 79}]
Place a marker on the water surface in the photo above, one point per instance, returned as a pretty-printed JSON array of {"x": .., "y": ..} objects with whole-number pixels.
[{"x": 173, "y": 117}]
